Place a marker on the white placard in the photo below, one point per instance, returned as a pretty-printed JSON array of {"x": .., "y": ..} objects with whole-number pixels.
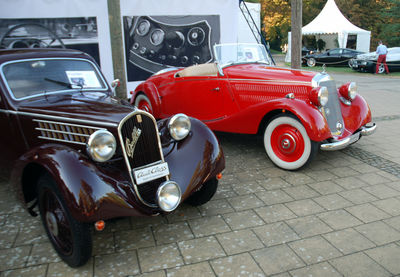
[{"x": 151, "y": 173}]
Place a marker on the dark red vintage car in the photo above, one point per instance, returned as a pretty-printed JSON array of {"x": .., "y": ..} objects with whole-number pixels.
[
  {"x": 84, "y": 156},
  {"x": 243, "y": 93}
]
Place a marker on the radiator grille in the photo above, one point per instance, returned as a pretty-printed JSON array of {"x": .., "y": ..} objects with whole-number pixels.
[
  {"x": 332, "y": 111},
  {"x": 146, "y": 150},
  {"x": 65, "y": 132}
]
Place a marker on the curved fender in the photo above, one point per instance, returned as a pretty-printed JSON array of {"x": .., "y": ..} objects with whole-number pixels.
[
  {"x": 152, "y": 93},
  {"x": 90, "y": 192},
  {"x": 195, "y": 159},
  {"x": 356, "y": 115}
]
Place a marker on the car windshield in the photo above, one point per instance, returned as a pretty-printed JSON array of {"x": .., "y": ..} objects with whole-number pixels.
[
  {"x": 227, "y": 54},
  {"x": 33, "y": 77}
]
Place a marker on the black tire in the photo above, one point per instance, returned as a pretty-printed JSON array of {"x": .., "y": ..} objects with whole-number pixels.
[
  {"x": 204, "y": 194},
  {"x": 311, "y": 62},
  {"x": 70, "y": 238}
]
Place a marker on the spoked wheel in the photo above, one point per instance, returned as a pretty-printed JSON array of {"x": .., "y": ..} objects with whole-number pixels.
[
  {"x": 70, "y": 238},
  {"x": 287, "y": 143},
  {"x": 311, "y": 62},
  {"x": 204, "y": 194},
  {"x": 381, "y": 69},
  {"x": 142, "y": 102}
]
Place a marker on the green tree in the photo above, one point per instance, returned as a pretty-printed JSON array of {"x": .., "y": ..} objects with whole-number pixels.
[{"x": 391, "y": 24}]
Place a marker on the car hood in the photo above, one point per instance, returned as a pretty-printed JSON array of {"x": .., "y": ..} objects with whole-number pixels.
[
  {"x": 368, "y": 56},
  {"x": 88, "y": 106},
  {"x": 264, "y": 72}
]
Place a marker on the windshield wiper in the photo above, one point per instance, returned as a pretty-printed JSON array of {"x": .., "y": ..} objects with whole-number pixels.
[{"x": 65, "y": 84}]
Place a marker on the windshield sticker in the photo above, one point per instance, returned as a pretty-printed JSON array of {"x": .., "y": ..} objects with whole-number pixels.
[{"x": 86, "y": 79}]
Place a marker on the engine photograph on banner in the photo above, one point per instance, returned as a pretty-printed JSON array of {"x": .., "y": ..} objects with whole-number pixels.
[
  {"x": 153, "y": 43},
  {"x": 78, "y": 33}
]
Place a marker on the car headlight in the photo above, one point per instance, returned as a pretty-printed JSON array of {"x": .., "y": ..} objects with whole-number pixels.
[
  {"x": 319, "y": 96},
  {"x": 101, "y": 145},
  {"x": 169, "y": 196},
  {"x": 179, "y": 126},
  {"x": 348, "y": 91}
]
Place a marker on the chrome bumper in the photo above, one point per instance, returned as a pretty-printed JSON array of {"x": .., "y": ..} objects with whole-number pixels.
[{"x": 340, "y": 144}]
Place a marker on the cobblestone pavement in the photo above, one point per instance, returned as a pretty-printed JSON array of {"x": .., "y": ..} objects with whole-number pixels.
[{"x": 339, "y": 216}]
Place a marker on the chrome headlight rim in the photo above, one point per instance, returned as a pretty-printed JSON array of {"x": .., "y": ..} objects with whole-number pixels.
[
  {"x": 169, "y": 196},
  {"x": 352, "y": 91},
  {"x": 179, "y": 126},
  {"x": 323, "y": 96},
  {"x": 99, "y": 139}
]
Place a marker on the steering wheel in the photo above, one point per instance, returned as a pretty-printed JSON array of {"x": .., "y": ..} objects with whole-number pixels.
[{"x": 29, "y": 41}]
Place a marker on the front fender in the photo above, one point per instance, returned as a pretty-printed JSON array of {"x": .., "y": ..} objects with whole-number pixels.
[
  {"x": 150, "y": 90},
  {"x": 91, "y": 191},
  {"x": 194, "y": 160}
]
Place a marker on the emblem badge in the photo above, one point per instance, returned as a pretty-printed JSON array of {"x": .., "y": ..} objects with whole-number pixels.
[
  {"x": 339, "y": 126},
  {"x": 130, "y": 144}
]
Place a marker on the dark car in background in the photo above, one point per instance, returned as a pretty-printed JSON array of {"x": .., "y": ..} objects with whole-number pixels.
[
  {"x": 367, "y": 62},
  {"x": 332, "y": 57},
  {"x": 85, "y": 156}
]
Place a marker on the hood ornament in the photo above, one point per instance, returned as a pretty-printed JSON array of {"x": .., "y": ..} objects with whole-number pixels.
[
  {"x": 323, "y": 69},
  {"x": 131, "y": 144}
]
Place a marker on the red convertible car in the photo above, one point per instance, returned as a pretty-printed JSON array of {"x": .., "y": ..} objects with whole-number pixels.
[{"x": 297, "y": 112}]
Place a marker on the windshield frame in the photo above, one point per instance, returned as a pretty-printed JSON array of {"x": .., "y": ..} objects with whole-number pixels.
[
  {"x": 223, "y": 65},
  {"x": 105, "y": 87}
]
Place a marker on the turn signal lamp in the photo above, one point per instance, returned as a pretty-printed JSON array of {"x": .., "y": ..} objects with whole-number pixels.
[
  {"x": 219, "y": 176},
  {"x": 100, "y": 225}
]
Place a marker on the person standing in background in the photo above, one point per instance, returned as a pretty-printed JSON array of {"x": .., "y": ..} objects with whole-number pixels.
[{"x": 381, "y": 50}]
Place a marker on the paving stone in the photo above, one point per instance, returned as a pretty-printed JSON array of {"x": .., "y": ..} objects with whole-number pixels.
[
  {"x": 117, "y": 224},
  {"x": 274, "y": 213},
  {"x": 61, "y": 269},
  {"x": 382, "y": 191},
  {"x": 387, "y": 256},
  {"x": 273, "y": 183},
  {"x": 239, "y": 241},
  {"x": 363, "y": 168},
  {"x": 320, "y": 175},
  {"x": 332, "y": 202},
  {"x": 301, "y": 192},
  {"x": 343, "y": 171},
  {"x": 394, "y": 222},
  {"x": 119, "y": 264},
  {"x": 348, "y": 241},
  {"x": 245, "y": 202},
  {"x": 140, "y": 222},
  {"x": 297, "y": 179},
  {"x": 134, "y": 239},
  {"x": 350, "y": 183},
  {"x": 272, "y": 172},
  {"x": 194, "y": 270},
  {"x": 14, "y": 257},
  {"x": 248, "y": 177},
  {"x": 308, "y": 226},
  {"x": 304, "y": 207},
  {"x": 184, "y": 212},
  {"x": 274, "y": 197},
  {"x": 326, "y": 187},
  {"x": 159, "y": 257},
  {"x": 314, "y": 250},
  {"x": 248, "y": 187},
  {"x": 339, "y": 219},
  {"x": 173, "y": 232},
  {"x": 373, "y": 179},
  {"x": 275, "y": 233},
  {"x": 160, "y": 273},
  {"x": 224, "y": 192},
  {"x": 358, "y": 196},
  {"x": 8, "y": 236},
  {"x": 379, "y": 232},
  {"x": 216, "y": 207},
  {"x": 43, "y": 253},
  {"x": 32, "y": 271},
  {"x": 394, "y": 185},
  {"x": 241, "y": 220},
  {"x": 358, "y": 265},
  {"x": 103, "y": 243},
  {"x": 208, "y": 226},
  {"x": 277, "y": 259},
  {"x": 322, "y": 269},
  {"x": 238, "y": 265},
  {"x": 390, "y": 206},
  {"x": 367, "y": 212},
  {"x": 199, "y": 250}
]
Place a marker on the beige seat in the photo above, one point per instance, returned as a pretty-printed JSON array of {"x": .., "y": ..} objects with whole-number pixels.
[{"x": 205, "y": 69}]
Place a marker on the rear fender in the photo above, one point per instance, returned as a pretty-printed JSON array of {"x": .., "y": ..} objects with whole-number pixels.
[{"x": 150, "y": 90}]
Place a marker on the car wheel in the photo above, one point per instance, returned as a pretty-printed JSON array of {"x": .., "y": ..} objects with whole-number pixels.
[
  {"x": 71, "y": 239},
  {"x": 311, "y": 62},
  {"x": 287, "y": 143},
  {"x": 350, "y": 63},
  {"x": 143, "y": 103},
  {"x": 204, "y": 194},
  {"x": 381, "y": 69}
]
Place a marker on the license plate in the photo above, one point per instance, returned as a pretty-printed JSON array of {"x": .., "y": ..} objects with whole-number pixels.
[{"x": 151, "y": 173}]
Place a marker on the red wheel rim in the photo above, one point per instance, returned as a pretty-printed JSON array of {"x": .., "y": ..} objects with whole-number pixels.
[
  {"x": 144, "y": 105},
  {"x": 57, "y": 222},
  {"x": 287, "y": 143}
]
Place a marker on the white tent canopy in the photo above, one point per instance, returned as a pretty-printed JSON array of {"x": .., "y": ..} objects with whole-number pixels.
[{"x": 330, "y": 21}]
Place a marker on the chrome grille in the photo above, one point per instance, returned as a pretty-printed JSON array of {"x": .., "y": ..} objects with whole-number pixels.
[
  {"x": 65, "y": 132},
  {"x": 146, "y": 150},
  {"x": 332, "y": 111}
]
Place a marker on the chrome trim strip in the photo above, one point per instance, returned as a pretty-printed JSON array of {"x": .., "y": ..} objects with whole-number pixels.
[
  {"x": 66, "y": 124},
  {"x": 52, "y": 92},
  {"x": 62, "y": 140},
  {"x": 63, "y": 132},
  {"x": 368, "y": 130},
  {"x": 135, "y": 112},
  {"x": 270, "y": 81},
  {"x": 65, "y": 119}
]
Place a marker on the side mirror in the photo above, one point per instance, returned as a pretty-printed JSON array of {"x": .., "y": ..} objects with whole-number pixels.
[{"x": 114, "y": 84}]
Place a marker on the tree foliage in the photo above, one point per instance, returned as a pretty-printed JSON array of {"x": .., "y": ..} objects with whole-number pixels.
[{"x": 381, "y": 17}]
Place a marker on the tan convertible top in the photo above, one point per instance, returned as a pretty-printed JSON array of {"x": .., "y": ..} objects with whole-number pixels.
[{"x": 205, "y": 69}]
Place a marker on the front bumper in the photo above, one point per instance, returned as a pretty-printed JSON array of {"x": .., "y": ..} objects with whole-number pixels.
[{"x": 343, "y": 143}]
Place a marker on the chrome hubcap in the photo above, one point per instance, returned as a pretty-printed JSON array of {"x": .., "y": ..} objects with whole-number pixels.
[
  {"x": 288, "y": 143},
  {"x": 51, "y": 221}
]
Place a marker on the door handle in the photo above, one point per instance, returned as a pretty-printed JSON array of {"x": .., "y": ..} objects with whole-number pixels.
[{"x": 215, "y": 89}]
